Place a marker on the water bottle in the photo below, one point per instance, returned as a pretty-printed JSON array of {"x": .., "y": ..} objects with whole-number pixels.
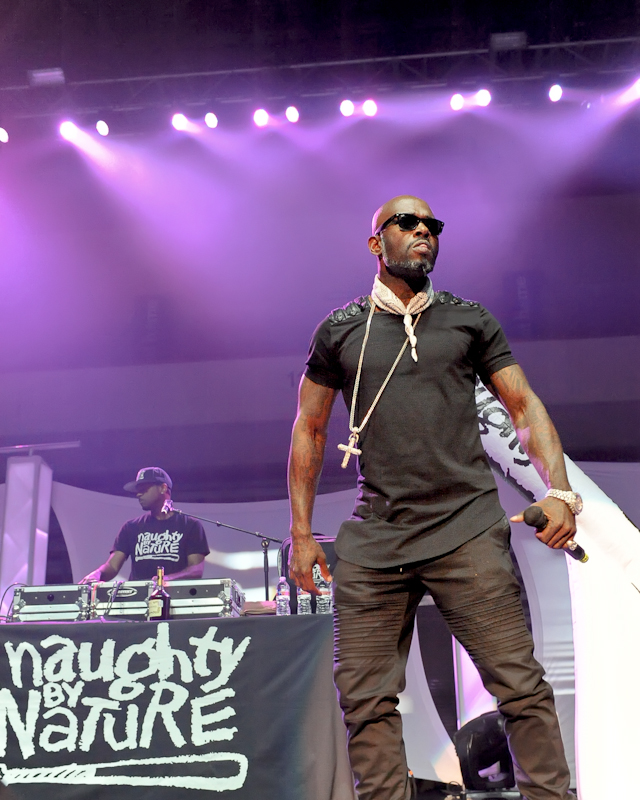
[
  {"x": 324, "y": 600},
  {"x": 304, "y": 601},
  {"x": 283, "y": 606}
]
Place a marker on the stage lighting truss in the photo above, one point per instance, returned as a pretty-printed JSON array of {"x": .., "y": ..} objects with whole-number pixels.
[{"x": 603, "y": 64}]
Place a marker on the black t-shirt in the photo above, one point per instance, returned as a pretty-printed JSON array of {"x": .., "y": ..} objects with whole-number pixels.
[
  {"x": 153, "y": 543},
  {"x": 425, "y": 486}
]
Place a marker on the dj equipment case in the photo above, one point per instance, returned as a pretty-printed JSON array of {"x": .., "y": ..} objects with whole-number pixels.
[
  {"x": 121, "y": 600},
  {"x": 50, "y": 603},
  {"x": 219, "y": 597}
]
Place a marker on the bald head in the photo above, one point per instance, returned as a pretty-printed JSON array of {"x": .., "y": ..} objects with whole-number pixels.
[{"x": 403, "y": 204}]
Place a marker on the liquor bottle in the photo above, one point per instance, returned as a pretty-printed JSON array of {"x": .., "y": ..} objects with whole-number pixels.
[{"x": 159, "y": 599}]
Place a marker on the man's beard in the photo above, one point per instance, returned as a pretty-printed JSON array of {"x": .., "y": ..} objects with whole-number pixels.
[{"x": 413, "y": 271}]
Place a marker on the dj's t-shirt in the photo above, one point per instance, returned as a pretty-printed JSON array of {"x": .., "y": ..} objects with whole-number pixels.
[
  {"x": 153, "y": 543},
  {"x": 425, "y": 485}
]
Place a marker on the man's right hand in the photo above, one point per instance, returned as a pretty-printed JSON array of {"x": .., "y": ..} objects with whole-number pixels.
[
  {"x": 305, "y": 552},
  {"x": 92, "y": 577}
]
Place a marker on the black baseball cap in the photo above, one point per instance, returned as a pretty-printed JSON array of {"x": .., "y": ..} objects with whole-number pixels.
[{"x": 152, "y": 475}]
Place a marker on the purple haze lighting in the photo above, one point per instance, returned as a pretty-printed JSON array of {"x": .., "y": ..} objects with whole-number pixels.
[
  {"x": 4, "y": 136},
  {"x": 261, "y": 117},
  {"x": 483, "y": 97},
  {"x": 457, "y": 102},
  {"x": 102, "y": 127},
  {"x": 69, "y": 130},
  {"x": 292, "y": 114},
  {"x": 210, "y": 120},
  {"x": 180, "y": 122},
  {"x": 555, "y": 93},
  {"x": 369, "y": 108},
  {"x": 347, "y": 108}
]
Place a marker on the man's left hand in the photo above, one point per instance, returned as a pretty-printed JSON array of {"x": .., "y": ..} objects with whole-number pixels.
[{"x": 561, "y": 525}]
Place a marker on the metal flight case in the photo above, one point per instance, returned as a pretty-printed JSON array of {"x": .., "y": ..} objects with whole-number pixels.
[
  {"x": 219, "y": 597},
  {"x": 66, "y": 603}
]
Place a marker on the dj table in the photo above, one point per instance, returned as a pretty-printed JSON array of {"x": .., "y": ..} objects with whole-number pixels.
[{"x": 243, "y": 709}]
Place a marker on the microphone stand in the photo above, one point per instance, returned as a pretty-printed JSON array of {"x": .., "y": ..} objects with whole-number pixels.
[{"x": 265, "y": 541}]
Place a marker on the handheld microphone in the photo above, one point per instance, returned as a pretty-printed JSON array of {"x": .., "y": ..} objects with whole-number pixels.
[
  {"x": 167, "y": 506},
  {"x": 535, "y": 516}
]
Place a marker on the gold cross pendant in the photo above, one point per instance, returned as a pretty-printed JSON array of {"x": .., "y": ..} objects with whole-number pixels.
[{"x": 349, "y": 449}]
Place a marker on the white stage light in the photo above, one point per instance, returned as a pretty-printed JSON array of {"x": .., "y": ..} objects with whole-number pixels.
[
  {"x": 483, "y": 97},
  {"x": 369, "y": 108},
  {"x": 210, "y": 120},
  {"x": 555, "y": 93},
  {"x": 292, "y": 114},
  {"x": 457, "y": 102},
  {"x": 261, "y": 117},
  {"x": 68, "y": 130},
  {"x": 102, "y": 127},
  {"x": 4, "y": 136},
  {"x": 347, "y": 108},
  {"x": 180, "y": 122}
]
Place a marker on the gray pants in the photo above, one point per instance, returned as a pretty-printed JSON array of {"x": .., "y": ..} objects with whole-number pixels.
[{"x": 477, "y": 592}]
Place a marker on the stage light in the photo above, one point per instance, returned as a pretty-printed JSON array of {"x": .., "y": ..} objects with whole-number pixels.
[
  {"x": 347, "y": 108},
  {"x": 4, "y": 136},
  {"x": 210, "y": 120},
  {"x": 102, "y": 127},
  {"x": 292, "y": 114},
  {"x": 630, "y": 95},
  {"x": 261, "y": 118},
  {"x": 555, "y": 93},
  {"x": 483, "y": 97},
  {"x": 457, "y": 102},
  {"x": 180, "y": 122},
  {"x": 69, "y": 130},
  {"x": 369, "y": 108}
]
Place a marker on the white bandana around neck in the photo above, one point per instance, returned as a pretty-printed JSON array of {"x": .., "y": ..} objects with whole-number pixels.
[
  {"x": 382, "y": 297},
  {"x": 385, "y": 299}
]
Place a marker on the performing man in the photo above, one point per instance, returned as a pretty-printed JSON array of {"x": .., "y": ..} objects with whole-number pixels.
[
  {"x": 160, "y": 538},
  {"x": 427, "y": 516}
]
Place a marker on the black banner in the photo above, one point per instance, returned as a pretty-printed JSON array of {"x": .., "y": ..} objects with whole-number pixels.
[{"x": 243, "y": 708}]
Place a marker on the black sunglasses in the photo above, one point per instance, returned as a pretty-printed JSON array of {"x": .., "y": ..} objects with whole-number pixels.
[{"x": 409, "y": 222}]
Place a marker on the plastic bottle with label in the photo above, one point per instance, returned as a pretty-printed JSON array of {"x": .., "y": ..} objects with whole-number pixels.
[
  {"x": 304, "y": 601},
  {"x": 283, "y": 599},
  {"x": 324, "y": 600}
]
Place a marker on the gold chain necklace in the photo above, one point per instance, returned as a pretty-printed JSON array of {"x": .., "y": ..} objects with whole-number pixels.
[{"x": 351, "y": 449}]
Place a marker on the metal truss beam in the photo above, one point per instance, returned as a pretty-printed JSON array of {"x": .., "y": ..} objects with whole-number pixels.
[{"x": 595, "y": 63}]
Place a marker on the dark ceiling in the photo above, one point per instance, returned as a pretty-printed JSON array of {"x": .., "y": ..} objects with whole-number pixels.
[{"x": 119, "y": 38}]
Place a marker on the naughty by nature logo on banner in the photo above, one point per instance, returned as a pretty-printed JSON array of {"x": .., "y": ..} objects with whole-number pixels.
[{"x": 118, "y": 699}]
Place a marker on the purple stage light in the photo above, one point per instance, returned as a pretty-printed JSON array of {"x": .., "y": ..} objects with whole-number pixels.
[
  {"x": 457, "y": 102},
  {"x": 369, "y": 108},
  {"x": 292, "y": 114},
  {"x": 261, "y": 117},
  {"x": 555, "y": 93},
  {"x": 4, "y": 136},
  {"x": 180, "y": 122},
  {"x": 210, "y": 120},
  {"x": 483, "y": 97},
  {"x": 102, "y": 127},
  {"x": 69, "y": 130},
  {"x": 630, "y": 95},
  {"x": 347, "y": 108}
]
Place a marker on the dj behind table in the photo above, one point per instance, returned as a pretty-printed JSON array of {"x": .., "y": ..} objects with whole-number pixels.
[{"x": 161, "y": 537}]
